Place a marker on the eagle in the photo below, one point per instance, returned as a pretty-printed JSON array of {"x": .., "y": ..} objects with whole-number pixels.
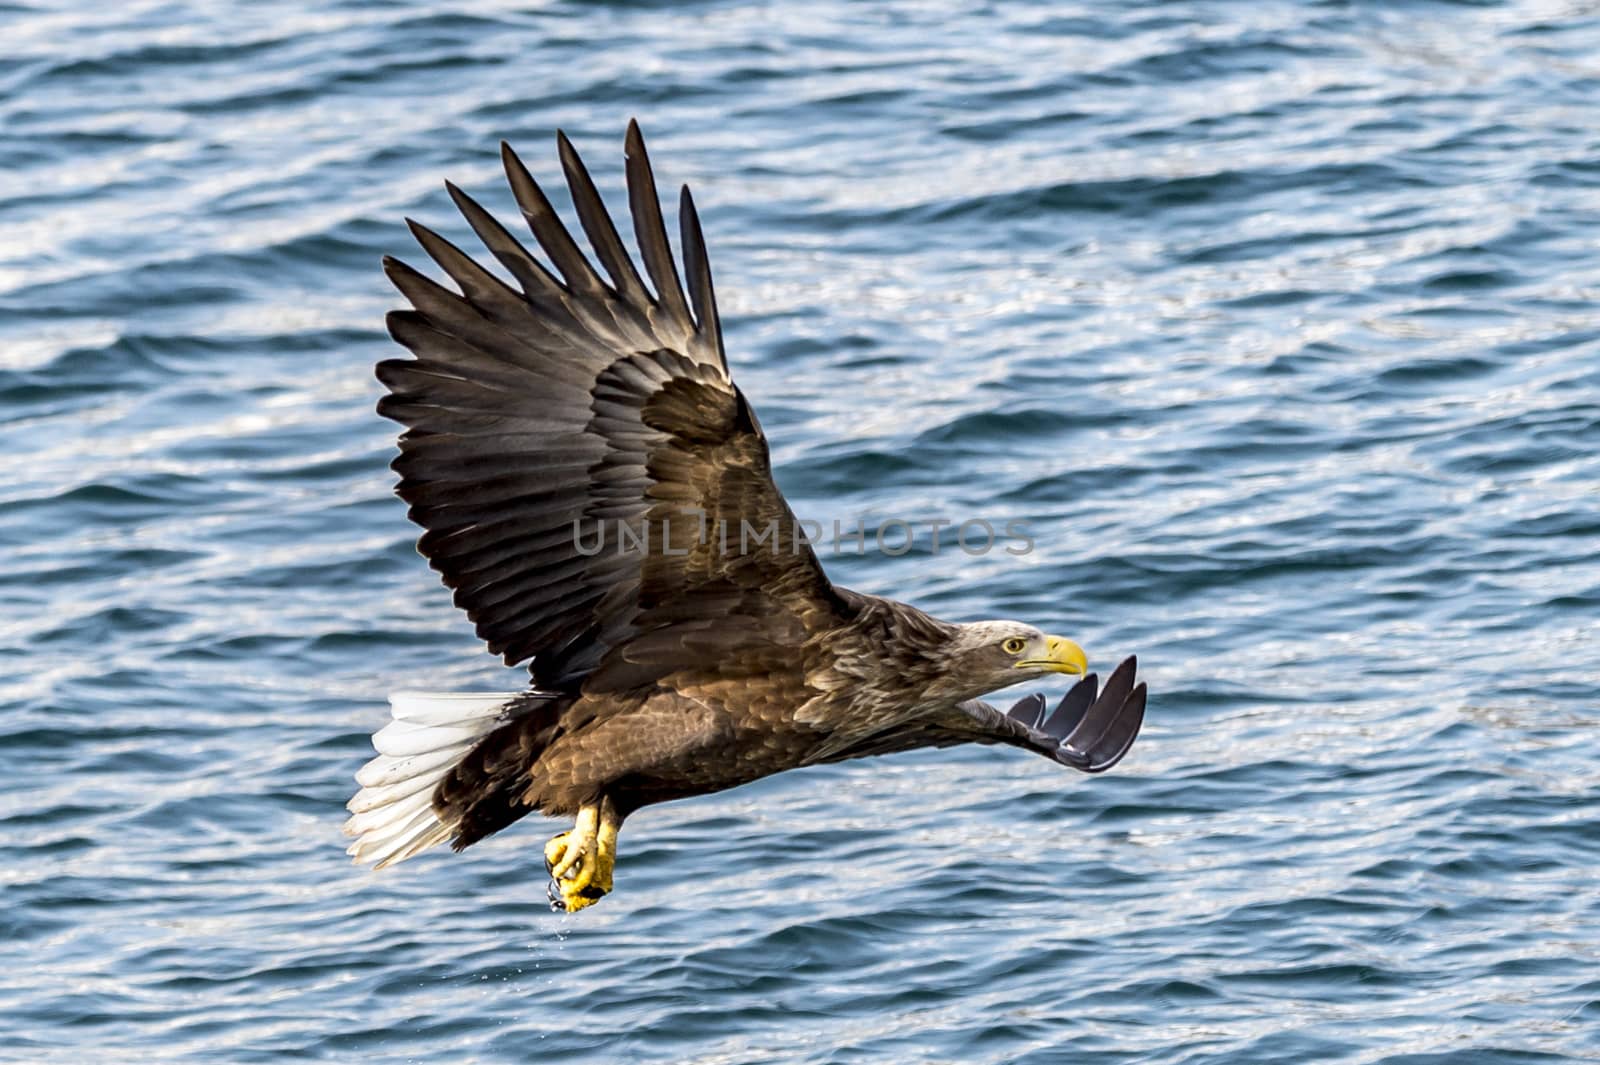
[{"x": 598, "y": 494}]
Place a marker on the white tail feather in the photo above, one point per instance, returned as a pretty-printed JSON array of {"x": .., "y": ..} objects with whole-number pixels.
[{"x": 392, "y": 815}]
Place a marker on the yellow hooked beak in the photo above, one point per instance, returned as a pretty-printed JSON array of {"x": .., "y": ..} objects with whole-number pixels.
[{"x": 1061, "y": 656}]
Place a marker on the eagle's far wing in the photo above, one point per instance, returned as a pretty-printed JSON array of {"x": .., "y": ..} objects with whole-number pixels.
[
  {"x": 580, "y": 458},
  {"x": 1089, "y": 730}
]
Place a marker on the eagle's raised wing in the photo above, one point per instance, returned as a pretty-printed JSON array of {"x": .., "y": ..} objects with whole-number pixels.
[
  {"x": 1090, "y": 729},
  {"x": 576, "y": 411}
]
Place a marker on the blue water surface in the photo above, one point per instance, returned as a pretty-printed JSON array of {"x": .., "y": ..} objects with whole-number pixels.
[{"x": 1277, "y": 323}]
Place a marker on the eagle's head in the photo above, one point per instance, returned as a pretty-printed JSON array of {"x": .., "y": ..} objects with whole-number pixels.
[{"x": 985, "y": 656}]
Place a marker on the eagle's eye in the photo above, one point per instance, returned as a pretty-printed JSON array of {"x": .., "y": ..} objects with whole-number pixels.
[{"x": 1014, "y": 645}]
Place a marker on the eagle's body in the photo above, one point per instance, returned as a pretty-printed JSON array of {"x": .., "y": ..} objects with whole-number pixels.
[{"x": 598, "y": 493}]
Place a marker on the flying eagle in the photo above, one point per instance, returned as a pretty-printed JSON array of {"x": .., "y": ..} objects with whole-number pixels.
[{"x": 584, "y": 468}]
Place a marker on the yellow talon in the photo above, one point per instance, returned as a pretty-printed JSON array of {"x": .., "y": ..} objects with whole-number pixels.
[
  {"x": 571, "y": 847},
  {"x": 581, "y": 861},
  {"x": 554, "y": 850}
]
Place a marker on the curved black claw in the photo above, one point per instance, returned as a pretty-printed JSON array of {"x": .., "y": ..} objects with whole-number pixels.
[
  {"x": 558, "y": 901},
  {"x": 1088, "y": 731}
]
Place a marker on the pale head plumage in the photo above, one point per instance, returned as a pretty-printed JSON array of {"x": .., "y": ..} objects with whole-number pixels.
[{"x": 986, "y": 656}]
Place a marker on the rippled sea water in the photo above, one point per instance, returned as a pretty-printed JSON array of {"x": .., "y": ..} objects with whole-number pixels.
[{"x": 1279, "y": 323}]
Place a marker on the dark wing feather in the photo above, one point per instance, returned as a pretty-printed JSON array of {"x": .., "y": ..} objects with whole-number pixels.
[
  {"x": 699, "y": 270},
  {"x": 542, "y": 416},
  {"x": 651, "y": 231},
  {"x": 1089, "y": 730}
]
